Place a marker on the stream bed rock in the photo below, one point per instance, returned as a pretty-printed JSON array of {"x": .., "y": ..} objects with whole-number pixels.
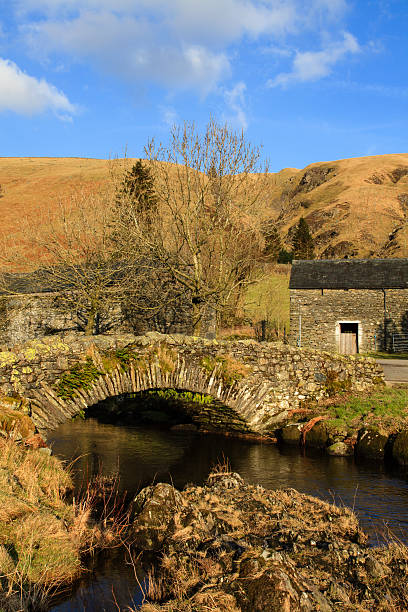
[{"x": 230, "y": 546}]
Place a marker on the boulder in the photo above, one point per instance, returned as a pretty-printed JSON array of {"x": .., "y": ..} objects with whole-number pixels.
[
  {"x": 291, "y": 434},
  {"x": 400, "y": 448},
  {"x": 318, "y": 436},
  {"x": 339, "y": 449},
  {"x": 278, "y": 588},
  {"x": 371, "y": 443},
  {"x": 154, "y": 509}
]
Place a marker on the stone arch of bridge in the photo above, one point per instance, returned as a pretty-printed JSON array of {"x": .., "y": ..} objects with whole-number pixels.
[
  {"x": 242, "y": 399},
  {"x": 179, "y": 407}
]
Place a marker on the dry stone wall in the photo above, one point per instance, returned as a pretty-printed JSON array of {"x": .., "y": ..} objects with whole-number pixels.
[
  {"x": 31, "y": 316},
  {"x": 260, "y": 383}
]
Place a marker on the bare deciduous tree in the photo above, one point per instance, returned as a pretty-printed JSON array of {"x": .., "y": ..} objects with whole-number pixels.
[
  {"x": 70, "y": 252},
  {"x": 205, "y": 235}
]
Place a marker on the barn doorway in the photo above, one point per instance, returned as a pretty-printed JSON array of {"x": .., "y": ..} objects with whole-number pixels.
[{"x": 348, "y": 338}]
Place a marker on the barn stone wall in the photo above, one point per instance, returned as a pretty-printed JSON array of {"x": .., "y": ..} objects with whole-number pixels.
[{"x": 321, "y": 310}]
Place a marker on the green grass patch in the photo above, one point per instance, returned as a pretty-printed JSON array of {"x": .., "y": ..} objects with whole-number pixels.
[
  {"x": 268, "y": 298},
  {"x": 381, "y": 355},
  {"x": 385, "y": 409}
]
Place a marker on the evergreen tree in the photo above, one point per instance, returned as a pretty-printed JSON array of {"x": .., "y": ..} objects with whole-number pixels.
[
  {"x": 285, "y": 256},
  {"x": 136, "y": 194},
  {"x": 302, "y": 243},
  {"x": 273, "y": 243}
]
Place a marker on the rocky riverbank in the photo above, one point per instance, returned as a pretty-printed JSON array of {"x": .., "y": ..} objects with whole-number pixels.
[
  {"x": 373, "y": 426},
  {"x": 230, "y": 546}
]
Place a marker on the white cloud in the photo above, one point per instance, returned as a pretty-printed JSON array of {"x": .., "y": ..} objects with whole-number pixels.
[
  {"x": 235, "y": 100},
  {"x": 314, "y": 65},
  {"x": 26, "y": 95},
  {"x": 333, "y": 8},
  {"x": 131, "y": 48},
  {"x": 177, "y": 44},
  {"x": 169, "y": 115},
  {"x": 200, "y": 20}
]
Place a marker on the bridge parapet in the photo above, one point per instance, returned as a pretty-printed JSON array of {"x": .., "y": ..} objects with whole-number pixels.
[{"x": 261, "y": 384}]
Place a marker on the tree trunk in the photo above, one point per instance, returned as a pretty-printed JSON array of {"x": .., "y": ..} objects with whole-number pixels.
[
  {"x": 197, "y": 318},
  {"x": 90, "y": 324}
]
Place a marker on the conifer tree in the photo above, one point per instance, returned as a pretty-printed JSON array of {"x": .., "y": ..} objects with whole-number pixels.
[
  {"x": 302, "y": 243},
  {"x": 136, "y": 195},
  {"x": 273, "y": 243}
]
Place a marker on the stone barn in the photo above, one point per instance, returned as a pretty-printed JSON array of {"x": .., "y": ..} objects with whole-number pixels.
[{"x": 349, "y": 305}]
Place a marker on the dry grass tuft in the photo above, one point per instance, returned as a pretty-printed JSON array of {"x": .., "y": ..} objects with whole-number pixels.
[{"x": 42, "y": 537}]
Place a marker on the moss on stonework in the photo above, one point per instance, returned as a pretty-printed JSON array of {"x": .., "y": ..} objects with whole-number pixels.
[
  {"x": 334, "y": 384},
  {"x": 227, "y": 368},
  {"x": 80, "y": 376},
  {"x": 7, "y": 358}
]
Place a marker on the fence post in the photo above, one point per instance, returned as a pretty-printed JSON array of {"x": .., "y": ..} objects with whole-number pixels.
[
  {"x": 263, "y": 330},
  {"x": 300, "y": 331}
]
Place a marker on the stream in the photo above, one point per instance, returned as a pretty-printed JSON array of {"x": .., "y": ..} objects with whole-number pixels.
[{"x": 143, "y": 454}]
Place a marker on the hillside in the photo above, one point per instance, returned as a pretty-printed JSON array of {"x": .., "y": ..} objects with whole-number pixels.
[{"x": 355, "y": 207}]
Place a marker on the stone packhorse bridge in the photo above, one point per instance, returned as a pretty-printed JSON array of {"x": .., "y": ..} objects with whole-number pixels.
[{"x": 256, "y": 386}]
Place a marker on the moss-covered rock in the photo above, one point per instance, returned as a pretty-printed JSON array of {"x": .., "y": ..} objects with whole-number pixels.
[
  {"x": 15, "y": 424},
  {"x": 336, "y": 432},
  {"x": 339, "y": 449}
]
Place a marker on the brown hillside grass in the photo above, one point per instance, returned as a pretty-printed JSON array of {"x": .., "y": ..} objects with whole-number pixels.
[
  {"x": 363, "y": 201},
  {"x": 355, "y": 210}
]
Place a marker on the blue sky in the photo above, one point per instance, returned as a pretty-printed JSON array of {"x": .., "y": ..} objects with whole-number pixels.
[{"x": 310, "y": 80}]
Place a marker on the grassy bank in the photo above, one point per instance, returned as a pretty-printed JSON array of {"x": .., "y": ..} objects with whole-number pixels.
[
  {"x": 268, "y": 298},
  {"x": 42, "y": 537},
  {"x": 385, "y": 409}
]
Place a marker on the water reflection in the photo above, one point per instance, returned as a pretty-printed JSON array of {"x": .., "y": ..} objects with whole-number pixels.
[{"x": 142, "y": 455}]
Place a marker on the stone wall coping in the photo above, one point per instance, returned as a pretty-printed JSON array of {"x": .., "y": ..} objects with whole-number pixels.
[{"x": 63, "y": 344}]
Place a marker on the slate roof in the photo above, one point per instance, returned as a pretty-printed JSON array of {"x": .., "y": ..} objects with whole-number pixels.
[
  {"x": 349, "y": 274},
  {"x": 35, "y": 282},
  {"x": 43, "y": 280}
]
